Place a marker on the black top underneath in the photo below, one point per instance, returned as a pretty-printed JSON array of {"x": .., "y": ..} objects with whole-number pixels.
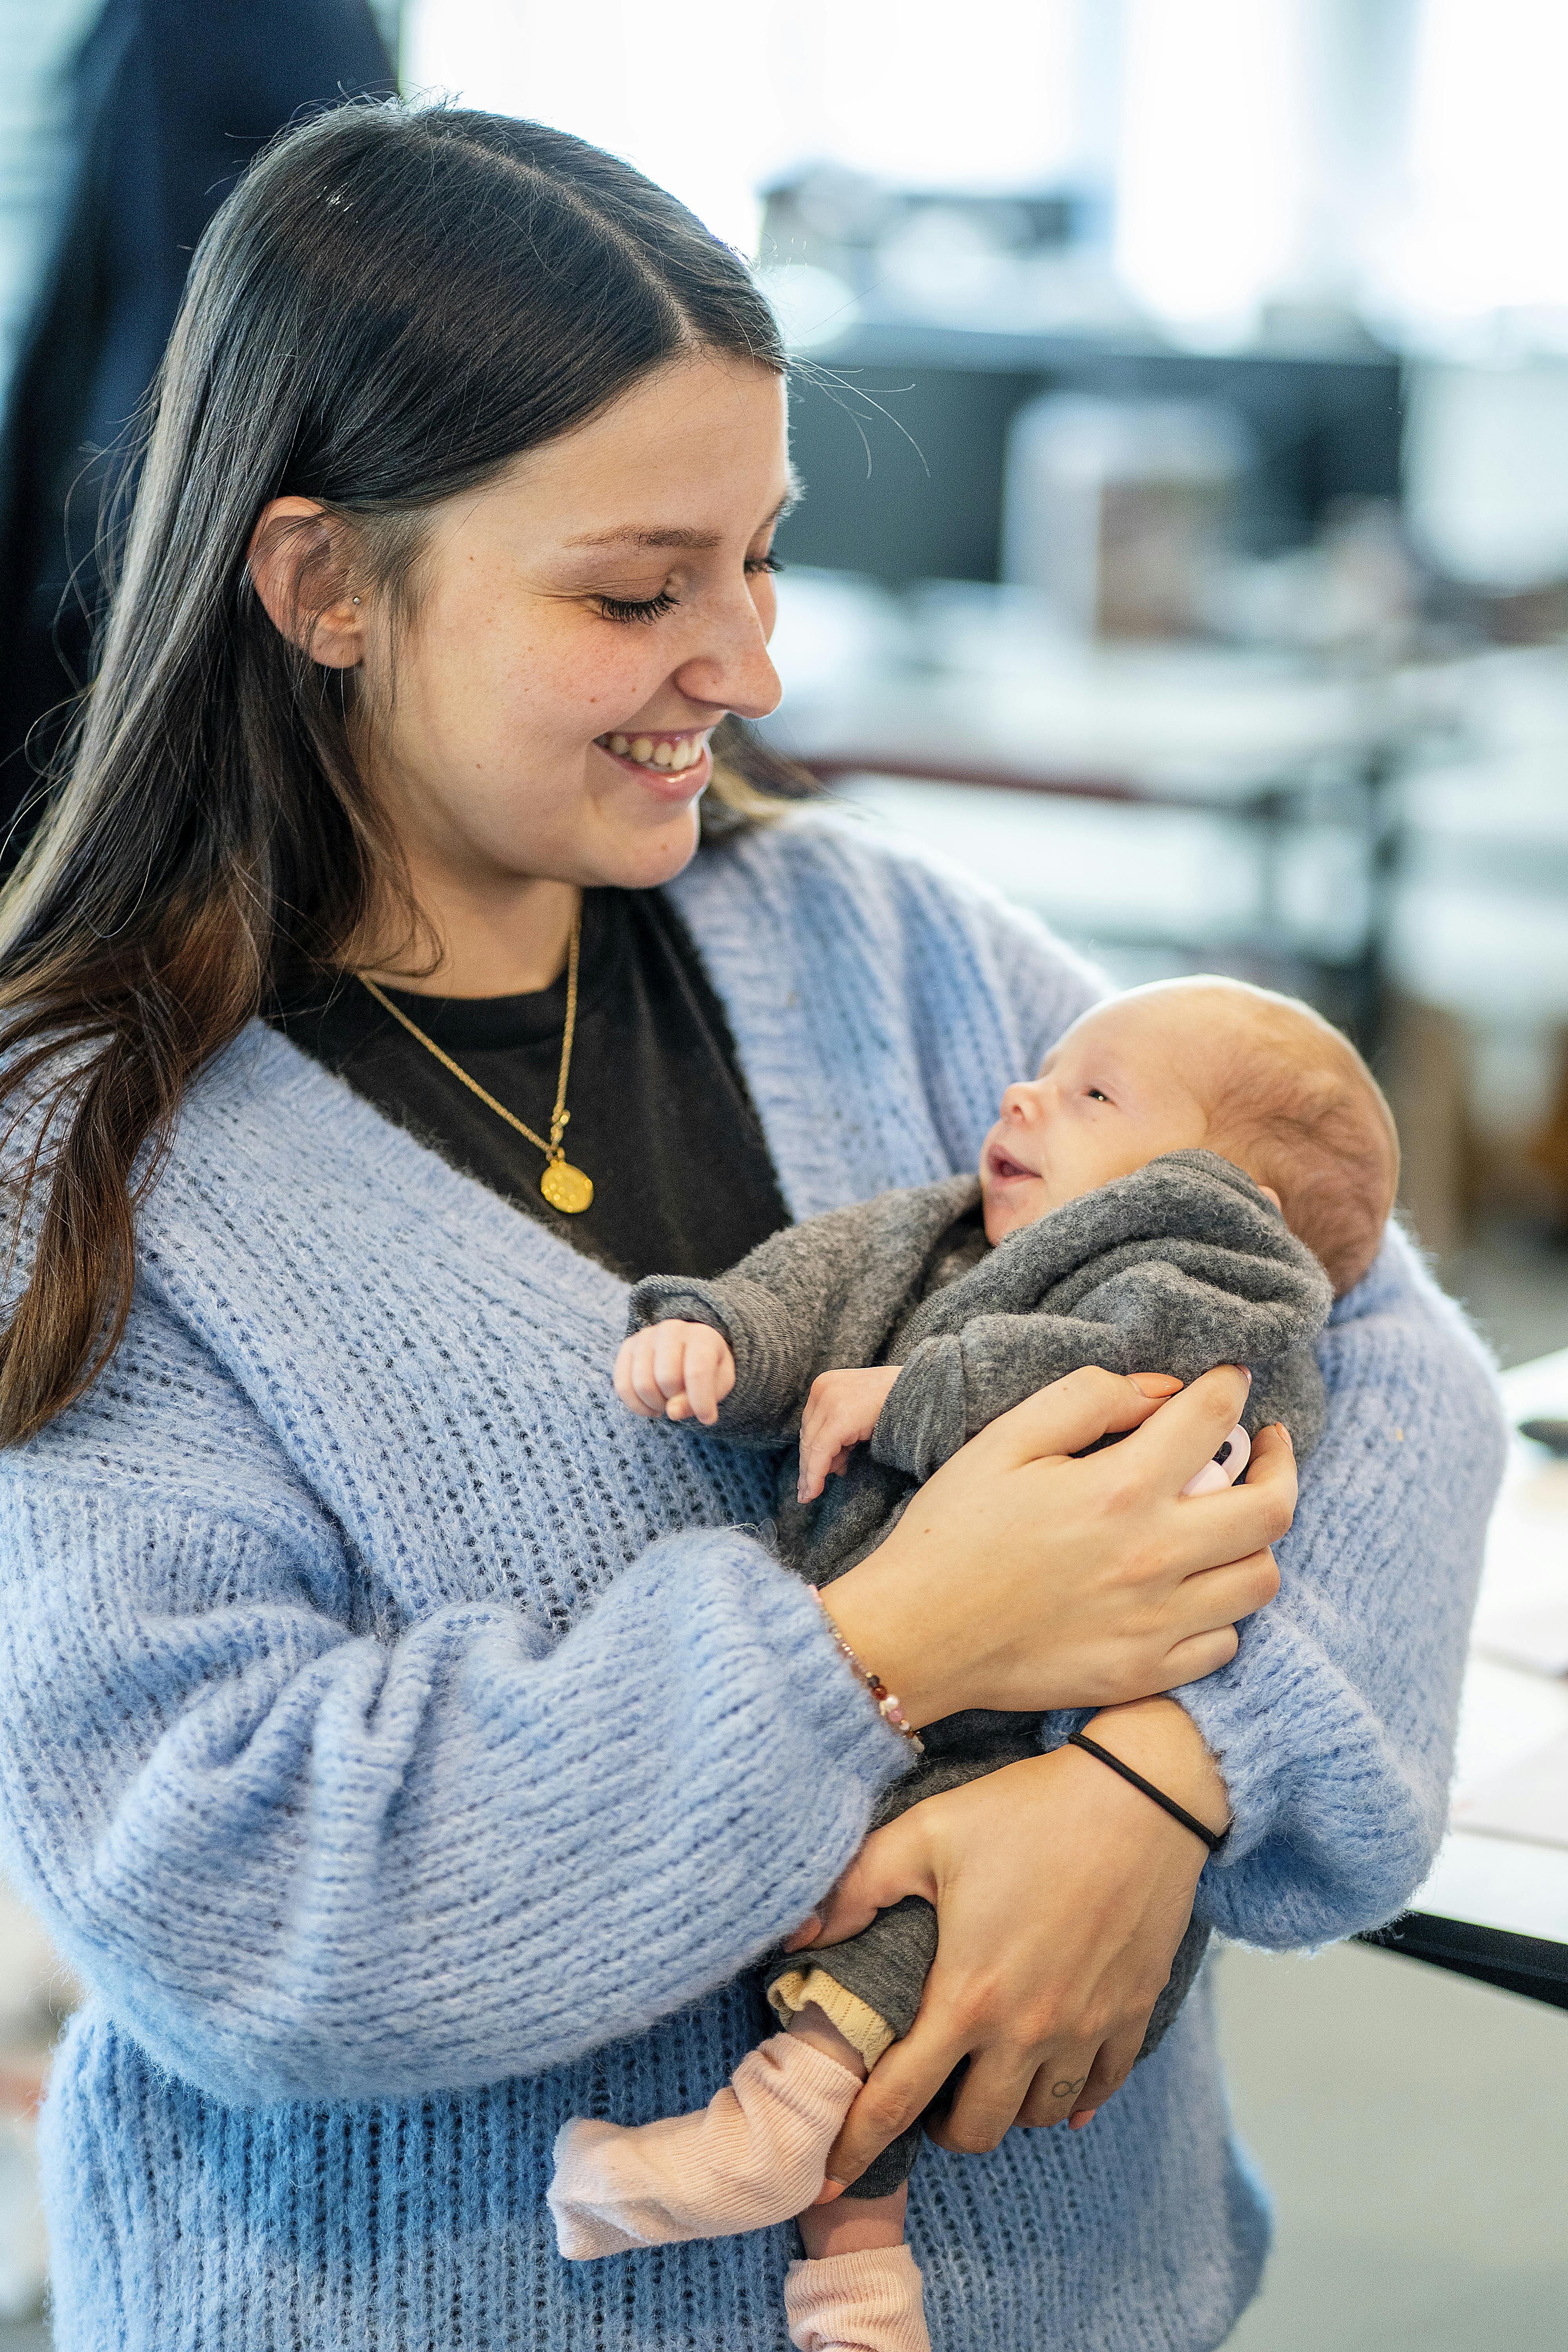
[{"x": 661, "y": 1120}]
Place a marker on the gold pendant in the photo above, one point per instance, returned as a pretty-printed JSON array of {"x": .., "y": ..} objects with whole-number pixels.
[{"x": 566, "y": 1188}]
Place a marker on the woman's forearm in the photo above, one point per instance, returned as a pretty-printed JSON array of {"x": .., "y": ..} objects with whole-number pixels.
[
  {"x": 300, "y": 1862},
  {"x": 1158, "y": 1739}
]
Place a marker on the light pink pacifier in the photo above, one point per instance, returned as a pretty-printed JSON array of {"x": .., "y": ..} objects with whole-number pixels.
[{"x": 1227, "y": 1466}]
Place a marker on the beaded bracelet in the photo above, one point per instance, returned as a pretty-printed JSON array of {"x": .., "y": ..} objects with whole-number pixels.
[{"x": 887, "y": 1706}]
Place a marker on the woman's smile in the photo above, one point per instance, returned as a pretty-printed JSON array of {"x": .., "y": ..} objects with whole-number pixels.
[{"x": 676, "y": 764}]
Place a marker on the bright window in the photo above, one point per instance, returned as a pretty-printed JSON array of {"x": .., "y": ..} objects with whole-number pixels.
[{"x": 714, "y": 97}]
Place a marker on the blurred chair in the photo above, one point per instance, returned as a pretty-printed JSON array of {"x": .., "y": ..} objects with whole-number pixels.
[{"x": 171, "y": 99}]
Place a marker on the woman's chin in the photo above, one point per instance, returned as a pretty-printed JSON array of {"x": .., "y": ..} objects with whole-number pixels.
[{"x": 642, "y": 856}]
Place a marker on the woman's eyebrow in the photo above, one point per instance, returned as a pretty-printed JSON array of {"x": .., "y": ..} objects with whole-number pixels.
[
  {"x": 659, "y": 535},
  {"x": 673, "y": 534}
]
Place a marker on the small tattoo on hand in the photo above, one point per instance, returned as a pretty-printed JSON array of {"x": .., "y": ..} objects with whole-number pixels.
[{"x": 1066, "y": 2090}]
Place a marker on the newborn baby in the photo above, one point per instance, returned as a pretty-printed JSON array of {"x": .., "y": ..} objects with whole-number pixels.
[{"x": 1198, "y": 1168}]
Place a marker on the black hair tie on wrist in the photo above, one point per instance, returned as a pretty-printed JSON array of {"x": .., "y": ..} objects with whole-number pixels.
[{"x": 1213, "y": 1839}]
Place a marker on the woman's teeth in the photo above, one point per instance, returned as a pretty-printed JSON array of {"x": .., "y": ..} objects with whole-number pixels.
[{"x": 670, "y": 752}]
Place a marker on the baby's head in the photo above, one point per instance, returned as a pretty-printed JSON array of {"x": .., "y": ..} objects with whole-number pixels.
[{"x": 1212, "y": 1064}]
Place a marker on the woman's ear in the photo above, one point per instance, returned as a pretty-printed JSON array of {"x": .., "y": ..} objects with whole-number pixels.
[
  {"x": 1270, "y": 1194},
  {"x": 297, "y": 570}
]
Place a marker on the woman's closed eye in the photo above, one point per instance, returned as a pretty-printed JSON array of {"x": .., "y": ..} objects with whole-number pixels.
[
  {"x": 653, "y": 608},
  {"x": 644, "y": 608}
]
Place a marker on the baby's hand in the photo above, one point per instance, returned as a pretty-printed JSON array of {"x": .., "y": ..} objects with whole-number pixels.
[
  {"x": 677, "y": 1370},
  {"x": 840, "y": 1413}
]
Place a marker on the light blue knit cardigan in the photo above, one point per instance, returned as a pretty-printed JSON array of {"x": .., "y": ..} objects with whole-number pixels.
[{"x": 409, "y": 1747}]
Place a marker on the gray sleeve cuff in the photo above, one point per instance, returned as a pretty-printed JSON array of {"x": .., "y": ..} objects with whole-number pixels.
[
  {"x": 666, "y": 1298},
  {"x": 772, "y": 1363},
  {"x": 923, "y": 1422}
]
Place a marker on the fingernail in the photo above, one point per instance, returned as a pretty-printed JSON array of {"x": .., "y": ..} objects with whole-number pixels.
[
  {"x": 804, "y": 1932},
  {"x": 1153, "y": 1384},
  {"x": 1286, "y": 1435},
  {"x": 828, "y": 2192}
]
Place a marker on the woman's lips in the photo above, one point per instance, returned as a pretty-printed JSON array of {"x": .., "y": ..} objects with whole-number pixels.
[{"x": 667, "y": 783}]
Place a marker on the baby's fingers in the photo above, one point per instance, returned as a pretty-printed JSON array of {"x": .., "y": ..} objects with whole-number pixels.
[
  {"x": 635, "y": 1382},
  {"x": 709, "y": 1375},
  {"x": 670, "y": 1344},
  {"x": 815, "y": 1454}
]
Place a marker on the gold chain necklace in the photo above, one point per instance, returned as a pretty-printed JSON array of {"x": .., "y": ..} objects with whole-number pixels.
[{"x": 564, "y": 1187}]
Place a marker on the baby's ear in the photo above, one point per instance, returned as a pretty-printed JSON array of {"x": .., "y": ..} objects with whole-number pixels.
[{"x": 1270, "y": 1194}]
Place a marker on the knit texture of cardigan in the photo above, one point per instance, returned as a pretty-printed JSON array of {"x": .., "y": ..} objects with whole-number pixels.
[{"x": 409, "y": 1745}]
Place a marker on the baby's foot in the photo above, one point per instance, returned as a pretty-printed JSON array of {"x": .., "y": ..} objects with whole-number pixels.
[
  {"x": 756, "y": 2155},
  {"x": 867, "y": 2301}
]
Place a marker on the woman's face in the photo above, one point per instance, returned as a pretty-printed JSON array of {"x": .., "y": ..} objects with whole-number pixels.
[{"x": 583, "y": 623}]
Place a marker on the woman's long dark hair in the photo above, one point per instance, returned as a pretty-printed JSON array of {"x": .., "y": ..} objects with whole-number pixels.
[{"x": 392, "y": 305}]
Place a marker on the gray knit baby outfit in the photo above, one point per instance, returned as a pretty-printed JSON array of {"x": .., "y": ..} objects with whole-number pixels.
[{"x": 1183, "y": 1266}]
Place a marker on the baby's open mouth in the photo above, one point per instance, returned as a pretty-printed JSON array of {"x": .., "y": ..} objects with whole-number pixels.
[{"x": 1006, "y": 1169}]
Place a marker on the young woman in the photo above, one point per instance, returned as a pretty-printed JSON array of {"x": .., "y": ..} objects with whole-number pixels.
[{"x": 410, "y": 1748}]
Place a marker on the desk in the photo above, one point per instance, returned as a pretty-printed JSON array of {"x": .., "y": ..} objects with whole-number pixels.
[{"x": 1496, "y": 1909}]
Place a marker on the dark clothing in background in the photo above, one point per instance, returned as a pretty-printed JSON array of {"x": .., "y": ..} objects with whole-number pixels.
[
  {"x": 655, "y": 1091},
  {"x": 171, "y": 100}
]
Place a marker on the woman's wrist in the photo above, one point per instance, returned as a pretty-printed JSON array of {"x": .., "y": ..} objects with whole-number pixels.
[
  {"x": 875, "y": 1620},
  {"x": 1158, "y": 1737}
]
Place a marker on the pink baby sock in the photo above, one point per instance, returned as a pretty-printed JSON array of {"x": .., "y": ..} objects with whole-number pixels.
[
  {"x": 856, "y": 2303},
  {"x": 754, "y": 2155}
]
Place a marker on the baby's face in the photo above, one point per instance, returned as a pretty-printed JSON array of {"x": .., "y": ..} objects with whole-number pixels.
[{"x": 1119, "y": 1089}]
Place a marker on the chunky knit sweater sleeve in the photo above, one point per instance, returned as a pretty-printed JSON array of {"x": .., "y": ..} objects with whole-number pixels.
[
  {"x": 1334, "y": 1725},
  {"x": 302, "y": 1854}
]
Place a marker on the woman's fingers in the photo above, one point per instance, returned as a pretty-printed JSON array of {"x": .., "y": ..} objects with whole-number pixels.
[
  {"x": 892, "y": 1864},
  {"x": 1215, "y": 1597},
  {"x": 1075, "y": 1411},
  {"x": 898, "y": 2091},
  {"x": 1207, "y": 1530},
  {"x": 1192, "y": 1427},
  {"x": 999, "y": 2089},
  {"x": 1200, "y": 1654},
  {"x": 1113, "y": 2061},
  {"x": 1273, "y": 1458}
]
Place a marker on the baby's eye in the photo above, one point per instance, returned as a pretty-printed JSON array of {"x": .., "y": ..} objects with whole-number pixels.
[{"x": 1095, "y": 1095}]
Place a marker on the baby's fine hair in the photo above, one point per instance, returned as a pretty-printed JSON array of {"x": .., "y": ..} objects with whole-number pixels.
[{"x": 1297, "y": 1106}]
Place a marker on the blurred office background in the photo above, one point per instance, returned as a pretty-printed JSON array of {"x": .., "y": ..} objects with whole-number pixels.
[{"x": 1183, "y": 404}]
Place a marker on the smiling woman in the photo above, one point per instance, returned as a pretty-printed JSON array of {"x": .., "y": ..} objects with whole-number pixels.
[
  {"x": 411, "y": 1747},
  {"x": 555, "y": 700}
]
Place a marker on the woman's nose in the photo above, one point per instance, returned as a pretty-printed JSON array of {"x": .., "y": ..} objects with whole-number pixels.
[{"x": 737, "y": 673}]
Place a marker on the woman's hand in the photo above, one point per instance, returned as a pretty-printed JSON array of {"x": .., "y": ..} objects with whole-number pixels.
[
  {"x": 1061, "y": 1894},
  {"x": 1020, "y": 1578}
]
